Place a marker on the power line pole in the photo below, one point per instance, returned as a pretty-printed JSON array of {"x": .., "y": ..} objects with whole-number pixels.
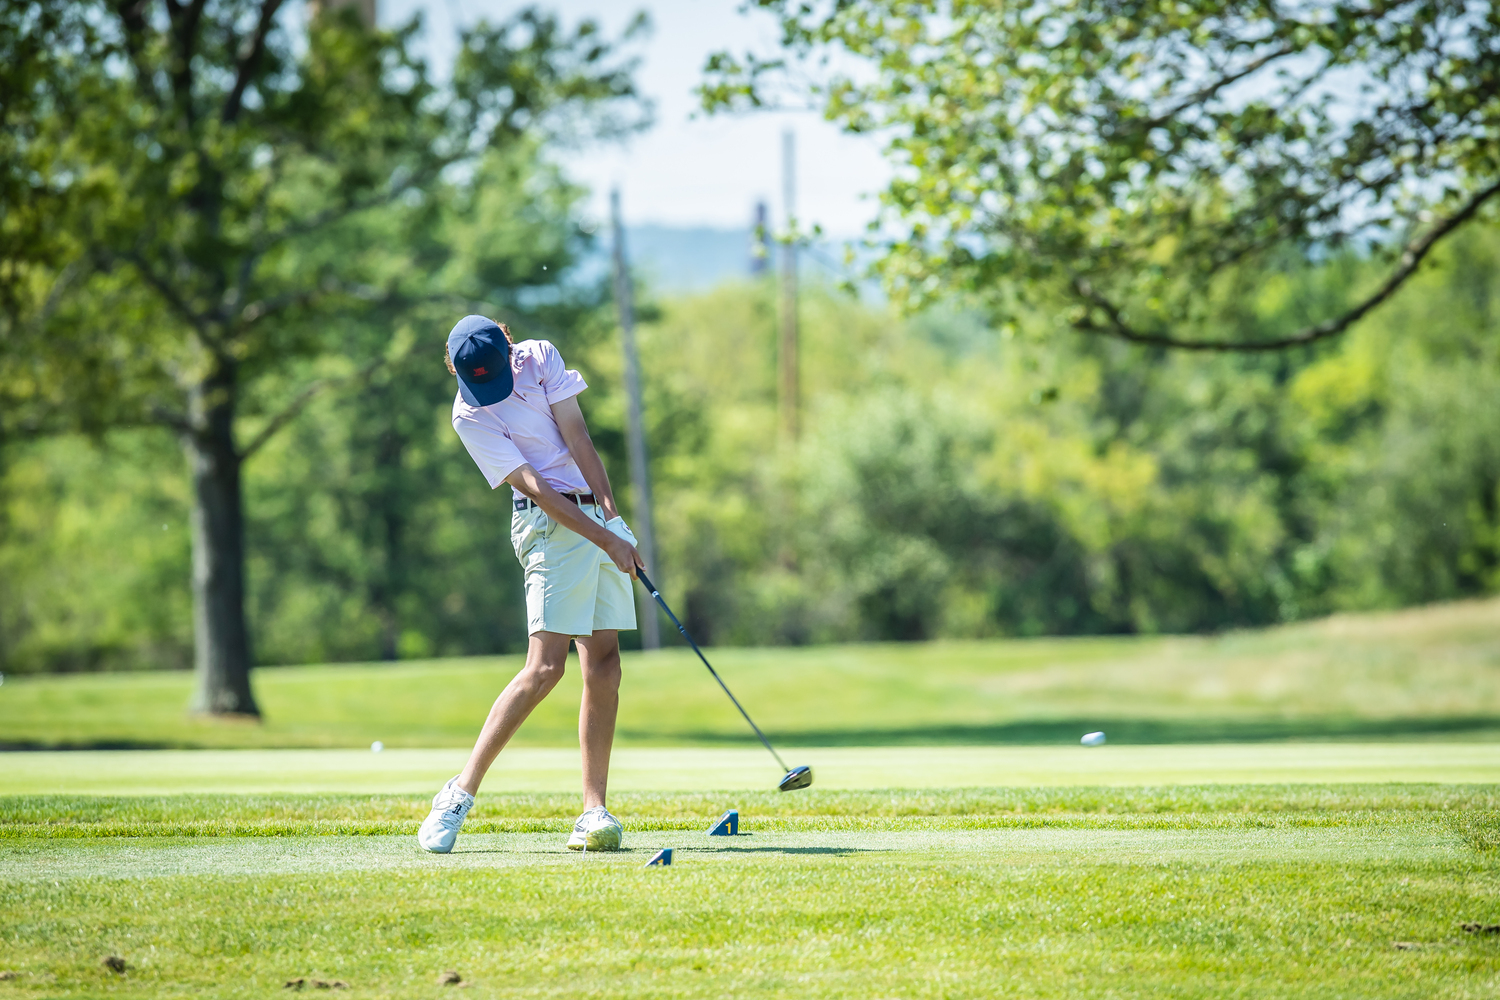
[
  {"x": 635, "y": 431},
  {"x": 760, "y": 230},
  {"x": 787, "y": 360}
]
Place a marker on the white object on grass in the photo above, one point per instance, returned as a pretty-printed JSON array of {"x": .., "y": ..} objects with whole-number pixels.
[
  {"x": 449, "y": 807},
  {"x": 596, "y": 830},
  {"x": 1092, "y": 739},
  {"x": 377, "y": 746}
]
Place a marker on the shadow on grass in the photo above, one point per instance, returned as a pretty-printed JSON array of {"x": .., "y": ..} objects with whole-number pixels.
[
  {"x": 12, "y": 746},
  {"x": 648, "y": 851},
  {"x": 1025, "y": 731},
  {"x": 1120, "y": 730},
  {"x": 831, "y": 851}
]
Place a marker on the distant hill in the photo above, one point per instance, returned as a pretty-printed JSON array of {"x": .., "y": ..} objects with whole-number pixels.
[
  {"x": 674, "y": 259},
  {"x": 689, "y": 260}
]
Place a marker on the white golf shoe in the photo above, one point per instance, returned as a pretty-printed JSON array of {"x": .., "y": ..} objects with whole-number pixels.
[
  {"x": 449, "y": 807},
  {"x": 596, "y": 830}
]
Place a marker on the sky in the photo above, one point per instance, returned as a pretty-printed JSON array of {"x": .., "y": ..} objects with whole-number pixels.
[{"x": 688, "y": 171}]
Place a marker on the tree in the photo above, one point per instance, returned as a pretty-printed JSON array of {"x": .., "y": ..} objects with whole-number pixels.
[
  {"x": 1150, "y": 161},
  {"x": 175, "y": 178}
]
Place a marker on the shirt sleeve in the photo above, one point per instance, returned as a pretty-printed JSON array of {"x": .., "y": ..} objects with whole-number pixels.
[
  {"x": 558, "y": 381},
  {"x": 492, "y": 450}
]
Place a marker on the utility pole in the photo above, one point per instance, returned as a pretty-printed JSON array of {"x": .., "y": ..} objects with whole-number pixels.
[
  {"x": 760, "y": 231},
  {"x": 787, "y": 358},
  {"x": 635, "y": 431}
]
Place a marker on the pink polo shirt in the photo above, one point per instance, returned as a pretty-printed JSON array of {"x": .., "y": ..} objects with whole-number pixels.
[{"x": 520, "y": 429}]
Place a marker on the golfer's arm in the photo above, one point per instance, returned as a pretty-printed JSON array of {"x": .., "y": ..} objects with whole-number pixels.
[
  {"x": 564, "y": 512},
  {"x": 575, "y": 433}
]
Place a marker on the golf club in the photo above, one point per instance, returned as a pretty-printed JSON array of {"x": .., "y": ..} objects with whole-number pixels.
[{"x": 796, "y": 777}]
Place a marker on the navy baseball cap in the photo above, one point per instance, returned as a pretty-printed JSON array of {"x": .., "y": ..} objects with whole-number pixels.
[{"x": 481, "y": 355}]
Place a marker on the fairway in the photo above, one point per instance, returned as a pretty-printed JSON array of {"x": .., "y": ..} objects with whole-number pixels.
[
  {"x": 1311, "y": 812},
  {"x": 1348, "y": 891},
  {"x": 1421, "y": 673},
  {"x": 1264, "y": 870},
  {"x": 132, "y": 858},
  {"x": 533, "y": 769}
]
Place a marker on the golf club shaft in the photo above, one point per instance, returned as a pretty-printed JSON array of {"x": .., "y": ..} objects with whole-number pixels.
[{"x": 656, "y": 594}]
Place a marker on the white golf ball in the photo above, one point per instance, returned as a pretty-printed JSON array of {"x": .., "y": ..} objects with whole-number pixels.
[
  {"x": 1092, "y": 739},
  {"x": 377, "y": 746}
]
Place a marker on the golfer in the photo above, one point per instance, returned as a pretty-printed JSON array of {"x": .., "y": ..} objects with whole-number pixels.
[{"x": 517, "y": 413}]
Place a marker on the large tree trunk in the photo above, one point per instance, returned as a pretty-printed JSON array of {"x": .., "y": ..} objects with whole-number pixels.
[{"x": 221, "y": 642}]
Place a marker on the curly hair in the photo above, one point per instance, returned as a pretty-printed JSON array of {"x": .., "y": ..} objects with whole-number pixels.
[{"x": 448, "y": 360}]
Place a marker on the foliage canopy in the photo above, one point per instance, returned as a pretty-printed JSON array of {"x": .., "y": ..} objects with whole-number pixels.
[
  {"x": 1150, "y": 161},
  {"x": 199, "y": 195},
  {"x": 955, "y": 480}
]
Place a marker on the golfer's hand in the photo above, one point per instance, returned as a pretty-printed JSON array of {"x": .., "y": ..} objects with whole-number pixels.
[{"x": 622, "y": 554}]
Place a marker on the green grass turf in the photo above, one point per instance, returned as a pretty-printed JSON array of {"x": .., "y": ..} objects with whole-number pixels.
[
  {"x": 27, "y": 817},
  {"x": 1183, "y": 892},
  {"x": 1432, "y": 672},
  {"x": 685, "y": 769}
]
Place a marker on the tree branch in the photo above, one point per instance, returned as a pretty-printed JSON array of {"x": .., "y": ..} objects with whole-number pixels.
[
  {"x": 1207, "y": 92},
  {"x": 166, "y": 291},
  {"x": 171, "y": 418},
  {"x": 132, "y": 14},
  {"x": 291, "y": 411},
  {"x": 329, "y": 216},
  {"x": 258, "y": 226},
  {"x": 185, "y": 27},
  {"x": 1411, "y": 258},
  {"x": 283, "y": 418},
  {"x": 246, "y": 68},
  {"x": 256, "y": 311},
  {"x": 75, "y": 269}
]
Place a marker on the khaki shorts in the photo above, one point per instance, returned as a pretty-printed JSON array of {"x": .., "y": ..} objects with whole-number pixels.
[{"x": 572, "y": 587}]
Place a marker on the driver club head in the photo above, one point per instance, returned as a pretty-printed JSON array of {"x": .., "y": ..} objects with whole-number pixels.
[{"x": 797, "y": 777}]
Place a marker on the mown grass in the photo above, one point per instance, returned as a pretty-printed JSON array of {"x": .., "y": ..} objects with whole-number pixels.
[
  {"x": 747, "y": 768},
  {"x": 1425, "y": 672},
  {"x": 1070, "y": 915},
  {"x": 1170, "y": 807},
  {"x": 813, "y": 929},
  {"x": 1088, "y": 890}
]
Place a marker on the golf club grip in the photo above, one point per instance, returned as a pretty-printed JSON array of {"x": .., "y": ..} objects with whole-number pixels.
[{"x": 656, "y": 595}]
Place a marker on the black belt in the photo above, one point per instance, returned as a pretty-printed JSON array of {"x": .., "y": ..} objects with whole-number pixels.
[{"x": 577, "y": 498}]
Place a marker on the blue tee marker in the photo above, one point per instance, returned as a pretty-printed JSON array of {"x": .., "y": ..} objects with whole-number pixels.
[
  {"x": 727, "y": 825},
  {"x": 662, "y": 857}
]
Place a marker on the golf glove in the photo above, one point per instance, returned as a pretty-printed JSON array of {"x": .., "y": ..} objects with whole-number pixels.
[{"x": 617, "y": 525}]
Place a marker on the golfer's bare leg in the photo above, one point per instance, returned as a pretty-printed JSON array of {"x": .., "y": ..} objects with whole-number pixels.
[
  {"x": 599, "y": 657},
  {"x": 546, "y": 658}
]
